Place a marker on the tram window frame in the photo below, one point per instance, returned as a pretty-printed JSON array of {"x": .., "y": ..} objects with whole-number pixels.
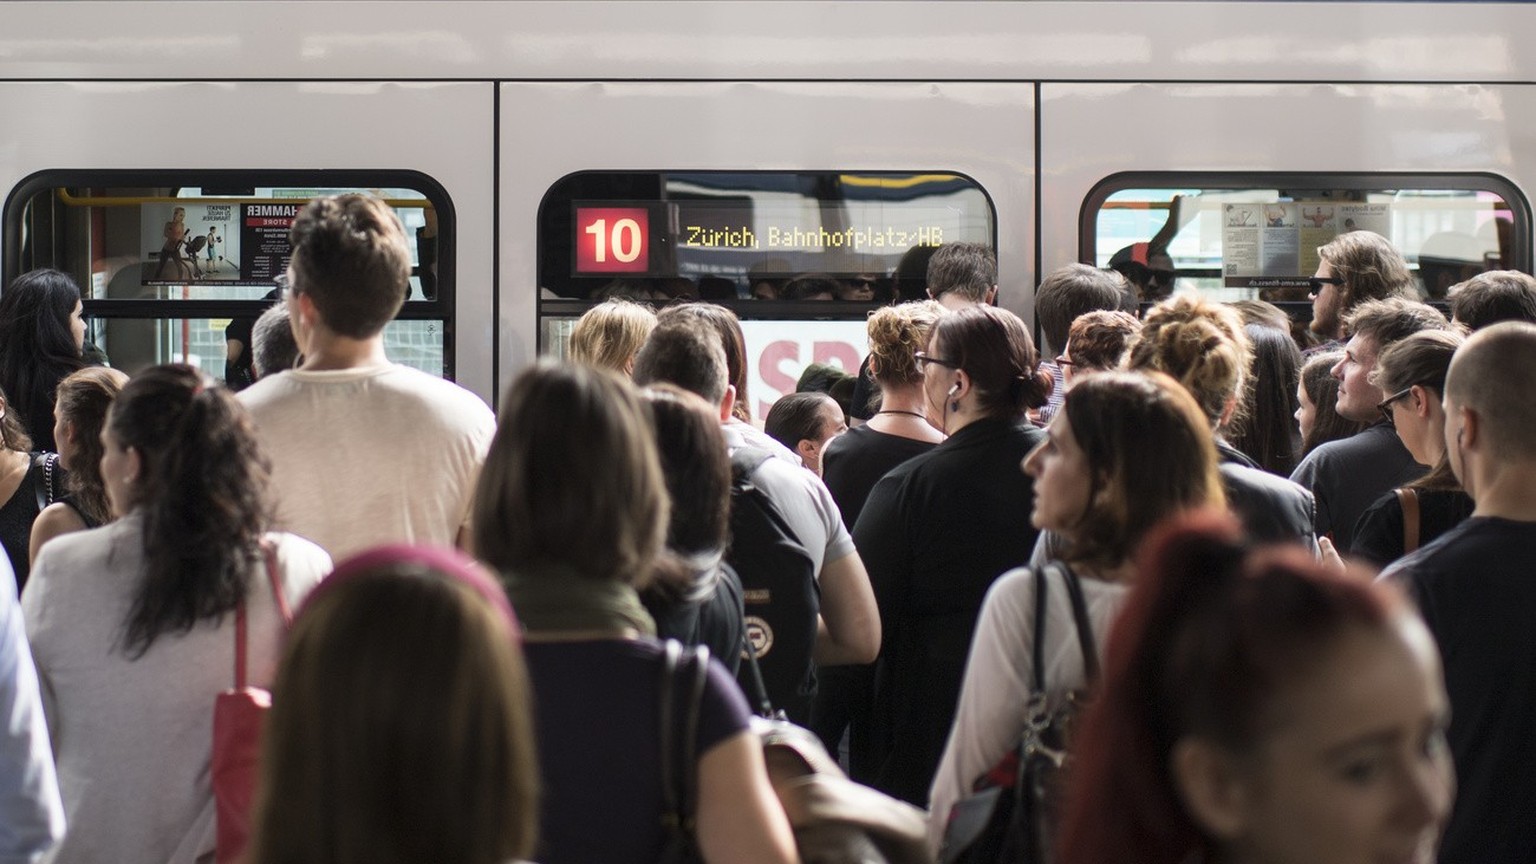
[
  {"x": 556, "y": 227},
  {"x": 1520, "y": 246},
  {"x": 21, "y": 240}
]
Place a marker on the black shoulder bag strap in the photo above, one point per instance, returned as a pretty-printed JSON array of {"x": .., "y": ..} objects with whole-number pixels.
[
  {"x": 1080, "y": 616},
  {"x": 44, "y": 490},
  {"x": 678, "y": 788},
  {"x": 1041, "y": 585},
  {"x": 759, "y": 689}
]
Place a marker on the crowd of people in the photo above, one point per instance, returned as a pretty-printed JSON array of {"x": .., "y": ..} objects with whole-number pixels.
[{"x": 1292, "y": 577}]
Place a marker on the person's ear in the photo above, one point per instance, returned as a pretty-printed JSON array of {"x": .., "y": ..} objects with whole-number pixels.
[
  {"x": 1421, "y": 401},
  {"x": 1211, "y": 783},
  {"x": 727, "y": 403},
  {"x": 807, "y": 450},
  {"x": 1227, "y": 411},
  {"x": 874, "y": 366},
  {"x": 1470, "y": 429},
  {"x": 134, "y": 464}
]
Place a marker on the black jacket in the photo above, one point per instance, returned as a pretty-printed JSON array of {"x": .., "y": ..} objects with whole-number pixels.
[{"x": 1272, "y": 508}]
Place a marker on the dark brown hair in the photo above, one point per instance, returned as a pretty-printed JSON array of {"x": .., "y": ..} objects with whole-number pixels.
[
  {"x": 202, "y": 495},
  {"x": 354, "y": 772},
  {"x": 1498, "y": 295},
  {"x": 993, "y": 347},
  {"x": 728, "y": 328},
  {"x": 1323, "y": 390},
  {"x": 1422, "y": 359},
  {"x": 83, "y": 401},
  {"x": 350, "y": 257},
  {"x": 1069, "y": 293},
  {"x": 1151, "y": 453},
  {"x": 572, "y": 478},
  {"x": 1099, "y": 339}
]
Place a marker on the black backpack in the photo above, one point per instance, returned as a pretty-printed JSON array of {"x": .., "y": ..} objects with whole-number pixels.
[
  {"x": 1012, "y": 814},
  {"x": 781, "y": 600}
]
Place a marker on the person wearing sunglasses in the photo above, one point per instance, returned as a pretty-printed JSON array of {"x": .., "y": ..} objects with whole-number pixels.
[
  {"x": 1356, "y": 267},
  {"x": 1413, "y": 373}
]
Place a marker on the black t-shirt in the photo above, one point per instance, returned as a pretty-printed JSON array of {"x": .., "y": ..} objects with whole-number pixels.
[
  {"x": 1347, "y": 476},
  {"x": 856, "y": 460},
  {"x": 934, "y": 534},
  {"x": 713, "y": 620},
  {"x": 1379, "y": 533},
  {"x": 1476, "y": 588},
  {"x": 596, "y": 712}
]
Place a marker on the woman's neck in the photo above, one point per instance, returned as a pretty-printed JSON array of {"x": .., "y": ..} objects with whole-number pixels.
[
  {"x": 904, "y": 413},
  {"x": 1119, "y": 574}
]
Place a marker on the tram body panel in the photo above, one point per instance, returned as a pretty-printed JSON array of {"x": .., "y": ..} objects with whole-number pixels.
[
  {"x": 1254, "y": 128},
  {"x": 282, "y": 125},
  {"x": 549, "y": 130},
  {"x": 806, "y": 40}
]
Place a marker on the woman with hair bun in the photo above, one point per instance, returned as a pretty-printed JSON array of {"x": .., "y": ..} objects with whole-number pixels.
[
  {"x": 411, "y": 743},
  {"x": 937, "y": 530},
  {"x": 1257, "y": 707},
  {"x": 41, "y": 334},
  {"x": 131, "y": 623},
  {"x": 1126, "y": 450},
  {"x": 80, "y": 413},
  {"x": 1204, "y": 347}
]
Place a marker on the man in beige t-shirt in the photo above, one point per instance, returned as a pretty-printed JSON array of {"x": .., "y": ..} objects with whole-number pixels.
[{"x": 364, "y": 451}]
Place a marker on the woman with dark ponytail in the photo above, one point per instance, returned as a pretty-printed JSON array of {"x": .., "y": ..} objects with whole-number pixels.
[
  {"x": 937, "y": 530},
  {"x": 1258, "y": 707},
  {"x": 131, "y": 623}
]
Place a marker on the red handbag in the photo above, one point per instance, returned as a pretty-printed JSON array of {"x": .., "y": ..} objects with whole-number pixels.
[{"x": 237, "y": 717}]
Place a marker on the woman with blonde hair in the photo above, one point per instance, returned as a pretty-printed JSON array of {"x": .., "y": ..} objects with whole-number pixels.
[
  {"x": 1126, "y": 451},
  {"x": 80, "y": 412},
  {"x": 133, "y": 625},
  {"x": 609, "y": 334},
  {"x": 901, "y": 428},
  {"x": 572, "y": 511},
  {"x": 402, "y": 744}
]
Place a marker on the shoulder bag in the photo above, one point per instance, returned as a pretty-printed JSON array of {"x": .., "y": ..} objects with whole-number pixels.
[
  {"x": 237, "y": 717},
  {"x": 1011, "y": 817}
]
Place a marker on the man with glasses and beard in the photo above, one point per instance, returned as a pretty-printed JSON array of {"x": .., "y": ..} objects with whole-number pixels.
[{"x": 1355, "y": 268}]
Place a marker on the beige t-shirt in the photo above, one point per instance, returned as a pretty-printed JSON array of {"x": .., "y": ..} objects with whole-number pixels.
[
  {"x": 132, "y": 738},
  {"x": 360, "y": 457}
]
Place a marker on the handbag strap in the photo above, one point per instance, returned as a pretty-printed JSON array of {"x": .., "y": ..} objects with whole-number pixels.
[
  {"x": 1409, "y": 500},
  {"x": 44, "y": 490},
  {"x": 269, "y": 556},
  {"x": 1084, "y": 628},
  {"x": 677, "y": 786}
]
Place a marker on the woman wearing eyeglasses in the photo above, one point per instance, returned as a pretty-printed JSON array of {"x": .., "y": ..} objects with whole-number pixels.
[
  {"x": 1412, "y": 373},
  {"x": 937, "y": 530}
]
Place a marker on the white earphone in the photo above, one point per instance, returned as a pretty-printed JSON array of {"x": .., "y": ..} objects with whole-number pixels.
[{"x": 952, "y": 390}]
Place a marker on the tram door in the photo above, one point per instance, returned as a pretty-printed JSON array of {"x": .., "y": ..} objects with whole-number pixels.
[
  {"x": 1232, "y": 187},
  {"x": 728, "y": 191},
  {"x": 116, "y": 182}
]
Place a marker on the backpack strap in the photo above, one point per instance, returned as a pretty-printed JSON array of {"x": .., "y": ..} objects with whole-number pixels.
[{"x": 1409, "y": 500}]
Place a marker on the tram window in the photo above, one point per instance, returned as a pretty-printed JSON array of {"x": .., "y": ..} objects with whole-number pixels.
[
  {"x": 1236, "y": 237},
  {"x": 167, "y": 259},
  {"x": 730, "y": 236}
]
